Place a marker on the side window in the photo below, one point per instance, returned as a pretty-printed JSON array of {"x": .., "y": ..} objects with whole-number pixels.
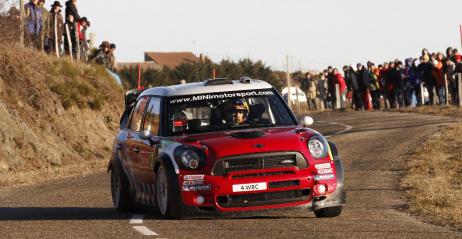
[
  {"x": 152, "y": 120},
  {"x": 137, "y": 114}
]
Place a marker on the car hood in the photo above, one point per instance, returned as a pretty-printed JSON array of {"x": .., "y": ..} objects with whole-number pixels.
[{"x": 240, "y": 142}]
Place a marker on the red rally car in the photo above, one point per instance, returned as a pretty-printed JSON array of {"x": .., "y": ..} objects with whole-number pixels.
[{"x": 224, "y": 146}]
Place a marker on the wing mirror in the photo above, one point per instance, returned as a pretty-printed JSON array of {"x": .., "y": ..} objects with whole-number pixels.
[
  {"x": 147, "y": 135},
  {"x": 307, "y": 121}
]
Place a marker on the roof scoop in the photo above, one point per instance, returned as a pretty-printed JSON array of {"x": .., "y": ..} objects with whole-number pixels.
[{"x": 248, "y": 134}]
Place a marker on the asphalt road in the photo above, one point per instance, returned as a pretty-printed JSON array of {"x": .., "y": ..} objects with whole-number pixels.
[{"x": 373, "y": 147}]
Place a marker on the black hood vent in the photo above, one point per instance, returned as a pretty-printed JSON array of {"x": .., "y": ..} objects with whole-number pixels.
[{"x": 248, "y": 134}]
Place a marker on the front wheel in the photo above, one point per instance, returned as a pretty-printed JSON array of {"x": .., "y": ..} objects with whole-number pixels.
[
  {"x": 167, "y": 193},
  {"x": 329, "y": 212}
]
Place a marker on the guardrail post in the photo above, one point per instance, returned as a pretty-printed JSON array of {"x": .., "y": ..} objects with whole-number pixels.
[
  {"x": 69, "y": 41},
  {"x": 446, "y": 88},
  {"x": 337, "y": 94},
  {"x": 422, "y": 97}
]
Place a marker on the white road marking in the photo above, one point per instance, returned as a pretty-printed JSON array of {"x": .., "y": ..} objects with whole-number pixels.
[
  {"x": 136, "y": 219},
  {"x": 145, "y": 231},
  {"x": 347, "y": 128}
]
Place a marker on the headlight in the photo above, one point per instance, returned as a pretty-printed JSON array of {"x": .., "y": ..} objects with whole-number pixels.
[
  {"x": 189, "y": 157},
  {"x": 318, "y": 146}
]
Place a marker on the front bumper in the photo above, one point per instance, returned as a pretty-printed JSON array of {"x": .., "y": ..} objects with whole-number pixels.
[{"x": 286, "y": 187}]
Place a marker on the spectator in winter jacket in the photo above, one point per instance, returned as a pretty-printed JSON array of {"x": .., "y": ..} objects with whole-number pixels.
[
  {"x": 81, "y": 29},
  {"x": 311, "y": 92},
  {"x": 340, "y": 81},
  {"x": 414, "y": 81},
  {"x": 452, "y": 82},
  {"x": 374, "y": 86},
  {"x": 70, "y": 35},
  {"x": 438, "y": 74},
  {"x": 322, "y": 90},
  {"x": 331, "y": 94},
  {"x": 111, "y": 57},
  {"x": 55, "y": 26},
  {"x": 71, "y": 10},
  {"x": 44, "y": 28},
  {"x": 426, "y": 69},
  {"x": 363, "y": 82},
  {"x": 33, "y": 23},
  {"x": 102, "y": 54},
  {"x": 352, "y": 83}
]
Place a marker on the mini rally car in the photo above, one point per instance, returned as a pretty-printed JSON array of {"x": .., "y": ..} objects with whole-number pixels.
[{"x": 223, "y": 146}]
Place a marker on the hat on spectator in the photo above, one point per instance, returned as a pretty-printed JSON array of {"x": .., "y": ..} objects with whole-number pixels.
[
  {"x": 105, "y": 44},
  {"x": 113, "y": 46},
  {"x": 56, "y": 4}
]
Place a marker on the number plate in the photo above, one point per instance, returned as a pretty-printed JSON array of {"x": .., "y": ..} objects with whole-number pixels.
[{"x": 249, "y": 187}]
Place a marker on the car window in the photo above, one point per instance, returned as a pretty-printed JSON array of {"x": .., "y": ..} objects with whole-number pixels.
[
  {"x": 137, "y": 114},
  {"x": 219, "y": 111},
  {"x": 152, "y": 118}
]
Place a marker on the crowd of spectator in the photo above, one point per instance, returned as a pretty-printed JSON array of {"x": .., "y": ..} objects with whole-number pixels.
[
  {"x": 50, "y": 31},
  {"x": 393, "y": 84}
]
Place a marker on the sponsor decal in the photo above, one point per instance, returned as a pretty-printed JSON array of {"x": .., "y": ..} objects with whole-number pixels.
[
  {"x": 196, "y": 188},
  {"x": 325, "y": 171},
  {"x": 195, "y": 182},
  {"x": 323, "y": 166},
  {"x": 194, "y": 177},
  {"x": 219, "y": 96},
  {"x": 324, "y": 177}
]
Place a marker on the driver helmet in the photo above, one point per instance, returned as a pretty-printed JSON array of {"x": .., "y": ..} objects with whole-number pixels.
[
  {"x": 240, "y": 111},
  {"x": 179, "y": 122}
]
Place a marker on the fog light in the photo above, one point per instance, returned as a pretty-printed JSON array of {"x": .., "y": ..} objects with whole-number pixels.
[
  {"x": 200, "y": 199},
  {"x": 320, "y": 188}
]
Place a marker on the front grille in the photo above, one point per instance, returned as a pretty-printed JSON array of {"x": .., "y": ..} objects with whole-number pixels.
[
  {"x": 284, "y": 184},
  {"x": 264, "y": 174},
  {"x": 262, "y": 199},
  {"x": 259, "y": 161}
]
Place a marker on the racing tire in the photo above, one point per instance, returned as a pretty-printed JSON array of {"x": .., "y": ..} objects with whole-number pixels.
[
  {"x": 167, "y": 193},
  {"x": 120, "y": 190},
  {"x": 328, "y": 212}
]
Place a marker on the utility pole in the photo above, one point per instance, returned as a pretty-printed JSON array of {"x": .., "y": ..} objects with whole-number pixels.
[
  {"x": 21, "y": 23},
  {"x": 289, "y": 93}
]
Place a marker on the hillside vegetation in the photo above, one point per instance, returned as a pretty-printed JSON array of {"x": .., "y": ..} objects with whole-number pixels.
[{"x": 54, "y": 115}]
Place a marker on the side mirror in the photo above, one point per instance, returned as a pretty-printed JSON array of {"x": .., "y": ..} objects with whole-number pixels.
[
  {"x": 307, "y": 121},
  {"x": 145, "y": 134}
]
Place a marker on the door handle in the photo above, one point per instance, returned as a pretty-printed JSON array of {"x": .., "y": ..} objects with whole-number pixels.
[{"x": 136, "y": 150}]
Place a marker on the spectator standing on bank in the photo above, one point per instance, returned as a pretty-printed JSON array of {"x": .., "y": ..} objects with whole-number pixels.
[
  {"x": 340, "y": 80},
  {"x": 385, "y": 75},
  {"x": 322, "y": 90},
  {"x": 439, "y": 78},
  {"x": 33, "y": 23},
  {"x": 102, "y": 55},
  {"x": 414, "y": 81},
  {"x": 44, "y": 27},
  {"x": 374, "y": 86},
  {"x": 111, "y": 57},
  {"x": 70, "y": 46},
  {"x": 81, "y": 28},
  {"x": 311, "y": 93},
  {"x": 331, "y": 90},
  {"x": 54, "y": 17},
  {"x": 393, "y": 80},
  {"x": 351, "y": 80},
  {"x": 426, "y": 68},
  {"x": 363, "y": 82},
  {"x": 450, "y": 72}
]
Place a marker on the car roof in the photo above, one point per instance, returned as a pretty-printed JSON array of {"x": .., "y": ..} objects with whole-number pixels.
[{"x": 205, "y": 87}]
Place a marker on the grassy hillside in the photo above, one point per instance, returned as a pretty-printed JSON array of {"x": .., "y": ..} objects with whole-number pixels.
[{"x": 55, "y": 115}]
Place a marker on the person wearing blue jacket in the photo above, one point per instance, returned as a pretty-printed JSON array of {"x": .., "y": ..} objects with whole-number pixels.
[{"x": 33, "y": 23}]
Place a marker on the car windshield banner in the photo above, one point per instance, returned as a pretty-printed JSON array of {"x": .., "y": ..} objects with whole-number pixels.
[{"x": 219, "y": 96}]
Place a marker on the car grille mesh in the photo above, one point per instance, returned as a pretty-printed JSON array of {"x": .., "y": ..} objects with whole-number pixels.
[
  {"x": 260, "y": 199},
  {"x": 259, "y": 161}
]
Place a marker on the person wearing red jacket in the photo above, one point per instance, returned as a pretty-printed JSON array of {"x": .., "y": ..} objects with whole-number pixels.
[{"x": 340, "y": 80}]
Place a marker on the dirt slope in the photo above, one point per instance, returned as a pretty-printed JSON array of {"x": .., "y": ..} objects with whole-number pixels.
[{"x": 53, "y": 114}]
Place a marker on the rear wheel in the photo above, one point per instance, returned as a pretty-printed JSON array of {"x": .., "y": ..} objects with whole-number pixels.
[
  {"x": 120, "y": 190},
  {"x": 329, "y": 212},
  {"x": 167, "y": 193}
]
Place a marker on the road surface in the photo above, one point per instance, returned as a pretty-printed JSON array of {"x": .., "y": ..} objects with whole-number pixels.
[{"x": 373, "y": 146}]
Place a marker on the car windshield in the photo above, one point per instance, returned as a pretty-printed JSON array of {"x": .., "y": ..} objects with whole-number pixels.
[{"x": 226, "y": 111}]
